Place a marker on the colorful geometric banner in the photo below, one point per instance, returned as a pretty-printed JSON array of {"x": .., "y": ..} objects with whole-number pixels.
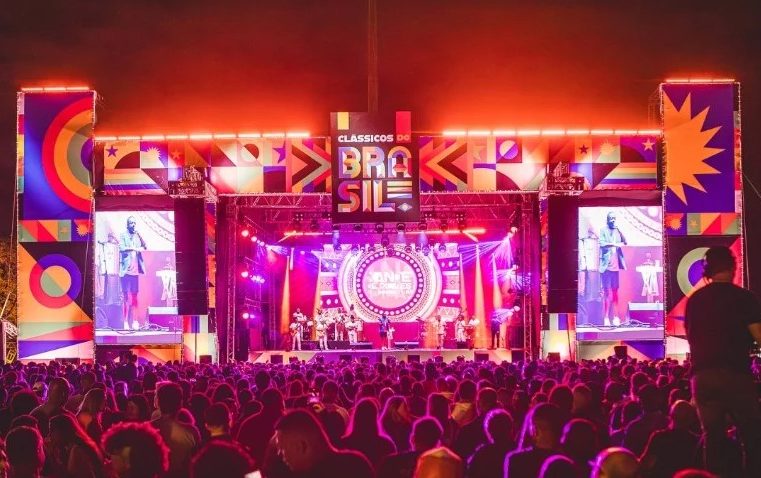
[
  {"x": 447, "y": 164},
  {"x": 55, "y": 191},
  {"x": 685, "y": 274}
]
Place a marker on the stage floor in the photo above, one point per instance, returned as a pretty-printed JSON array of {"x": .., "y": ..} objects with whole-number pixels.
[
  {"x": 377, "y": 355},
  {"x": 618, "y": 333}
]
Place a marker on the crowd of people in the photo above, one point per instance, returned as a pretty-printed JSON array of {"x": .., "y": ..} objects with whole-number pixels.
[{"x": 615, "y": 418}]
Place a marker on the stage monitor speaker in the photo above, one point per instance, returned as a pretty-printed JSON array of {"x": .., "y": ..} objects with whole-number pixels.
[
  {"x": 650, "y": 313},
  {"x": 309, "y": 345},
  {"x": 553, "y": 357},
  {"x": 481, "y": 357},
  {"x": 206, "y": 359},
  {"x": 338, "y": 344},
  {"x": 413, "y": 358},
  {"x": 562, "y": 253},
  {"x": 363, "y": 346},
  {"x": 276, "y": 358},
  {"x": 190, "y": 253},
  {"x": 345, "y": 357},
  {"x": 621, "y": 351},
  {"x": 517, "y": 356},
  {"x": 406, "y": 345},
  {"x": 68, "y": 360}
]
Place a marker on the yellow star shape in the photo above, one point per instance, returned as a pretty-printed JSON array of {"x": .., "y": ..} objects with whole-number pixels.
[{"x": 688, "y": 147}]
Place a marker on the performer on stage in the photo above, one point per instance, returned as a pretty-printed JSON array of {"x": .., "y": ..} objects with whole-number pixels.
[
  {"x": 383, "y": 325},
  {"x": 297, "y": 329},
  {"x": 351, "y": 329},
  {"x": 390, "y": 336},
  {"x": 320, "y": 328},
  {"x": 422, "y": 334},
  {"x": 459, "y": 329},
  {"x": 131, "y": 266},
  {"x": 611, "y": 261},
  {"x": 470, "y": 331},
  {"x": 360, "y": 330},
  {"x": 495, "y": 324},
  {"x": 340, "y": 325},
  {"x": 441, "y": 331}
]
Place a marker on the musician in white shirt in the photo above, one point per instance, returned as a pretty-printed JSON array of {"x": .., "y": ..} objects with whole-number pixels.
[{"x": 297, "y": 329}]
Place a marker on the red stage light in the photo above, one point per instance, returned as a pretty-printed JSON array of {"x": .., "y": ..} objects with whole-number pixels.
[
  {"x": 253, "y": 238},
  {"x": 245, "y": 315},
  {"x": 244, "y": 274},
  {"x": 245, "y": 233}
]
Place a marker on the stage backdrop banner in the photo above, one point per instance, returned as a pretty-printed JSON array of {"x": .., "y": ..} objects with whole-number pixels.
[
  {"x": 54, "y": 196},
  {"x": 375, "y": 168},
  {"x": 703, "y": 185}
]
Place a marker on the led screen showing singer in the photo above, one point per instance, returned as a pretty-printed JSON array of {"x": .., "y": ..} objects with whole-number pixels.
[
  {"x": 620, "y": 284},
  {"x": 135, "y": 278}
]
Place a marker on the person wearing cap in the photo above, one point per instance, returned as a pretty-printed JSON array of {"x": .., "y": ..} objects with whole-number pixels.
[{"x": 722, "y": 321}]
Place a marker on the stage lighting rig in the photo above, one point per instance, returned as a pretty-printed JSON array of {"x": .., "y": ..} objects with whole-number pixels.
[
  {"x": 422, "y": 225},
  {"x": 245, "y": 232},
  {"x": 355, "y": 249},
  {"x": 461, "y": 222},
  {"x": 357, "y": 227},
  {"x": 385, "y": 241},
  {"x": 379, "y": 227},
  {"x": 400, "y": 227}
]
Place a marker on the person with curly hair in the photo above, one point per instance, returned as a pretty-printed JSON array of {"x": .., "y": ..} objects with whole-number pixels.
[{"x": 136, "y": 450}]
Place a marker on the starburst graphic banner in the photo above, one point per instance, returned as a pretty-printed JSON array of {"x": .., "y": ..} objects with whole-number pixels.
[{"x": 55, "y": 138}]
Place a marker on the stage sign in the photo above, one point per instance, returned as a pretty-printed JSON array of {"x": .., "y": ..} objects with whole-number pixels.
[
  {"x": 400, "y": 284},
  {"x": 375, "y": 168}
]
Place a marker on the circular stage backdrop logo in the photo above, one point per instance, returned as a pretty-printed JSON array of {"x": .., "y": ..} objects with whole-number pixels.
[{"x": 402, "y": 285}]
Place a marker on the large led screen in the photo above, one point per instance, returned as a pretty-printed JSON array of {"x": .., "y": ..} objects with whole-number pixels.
[
  {"x": 135, "y": 278},
  {"x": 620, "y": 293}
]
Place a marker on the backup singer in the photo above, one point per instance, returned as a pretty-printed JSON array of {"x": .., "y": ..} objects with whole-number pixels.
[{"x": 131, "y": 266}]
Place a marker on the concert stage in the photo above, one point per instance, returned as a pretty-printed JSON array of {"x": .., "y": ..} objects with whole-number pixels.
[{"x": 378, "y": 355}]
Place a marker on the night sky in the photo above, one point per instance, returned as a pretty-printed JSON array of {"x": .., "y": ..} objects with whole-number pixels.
[{"x": 231, "y": 66}]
